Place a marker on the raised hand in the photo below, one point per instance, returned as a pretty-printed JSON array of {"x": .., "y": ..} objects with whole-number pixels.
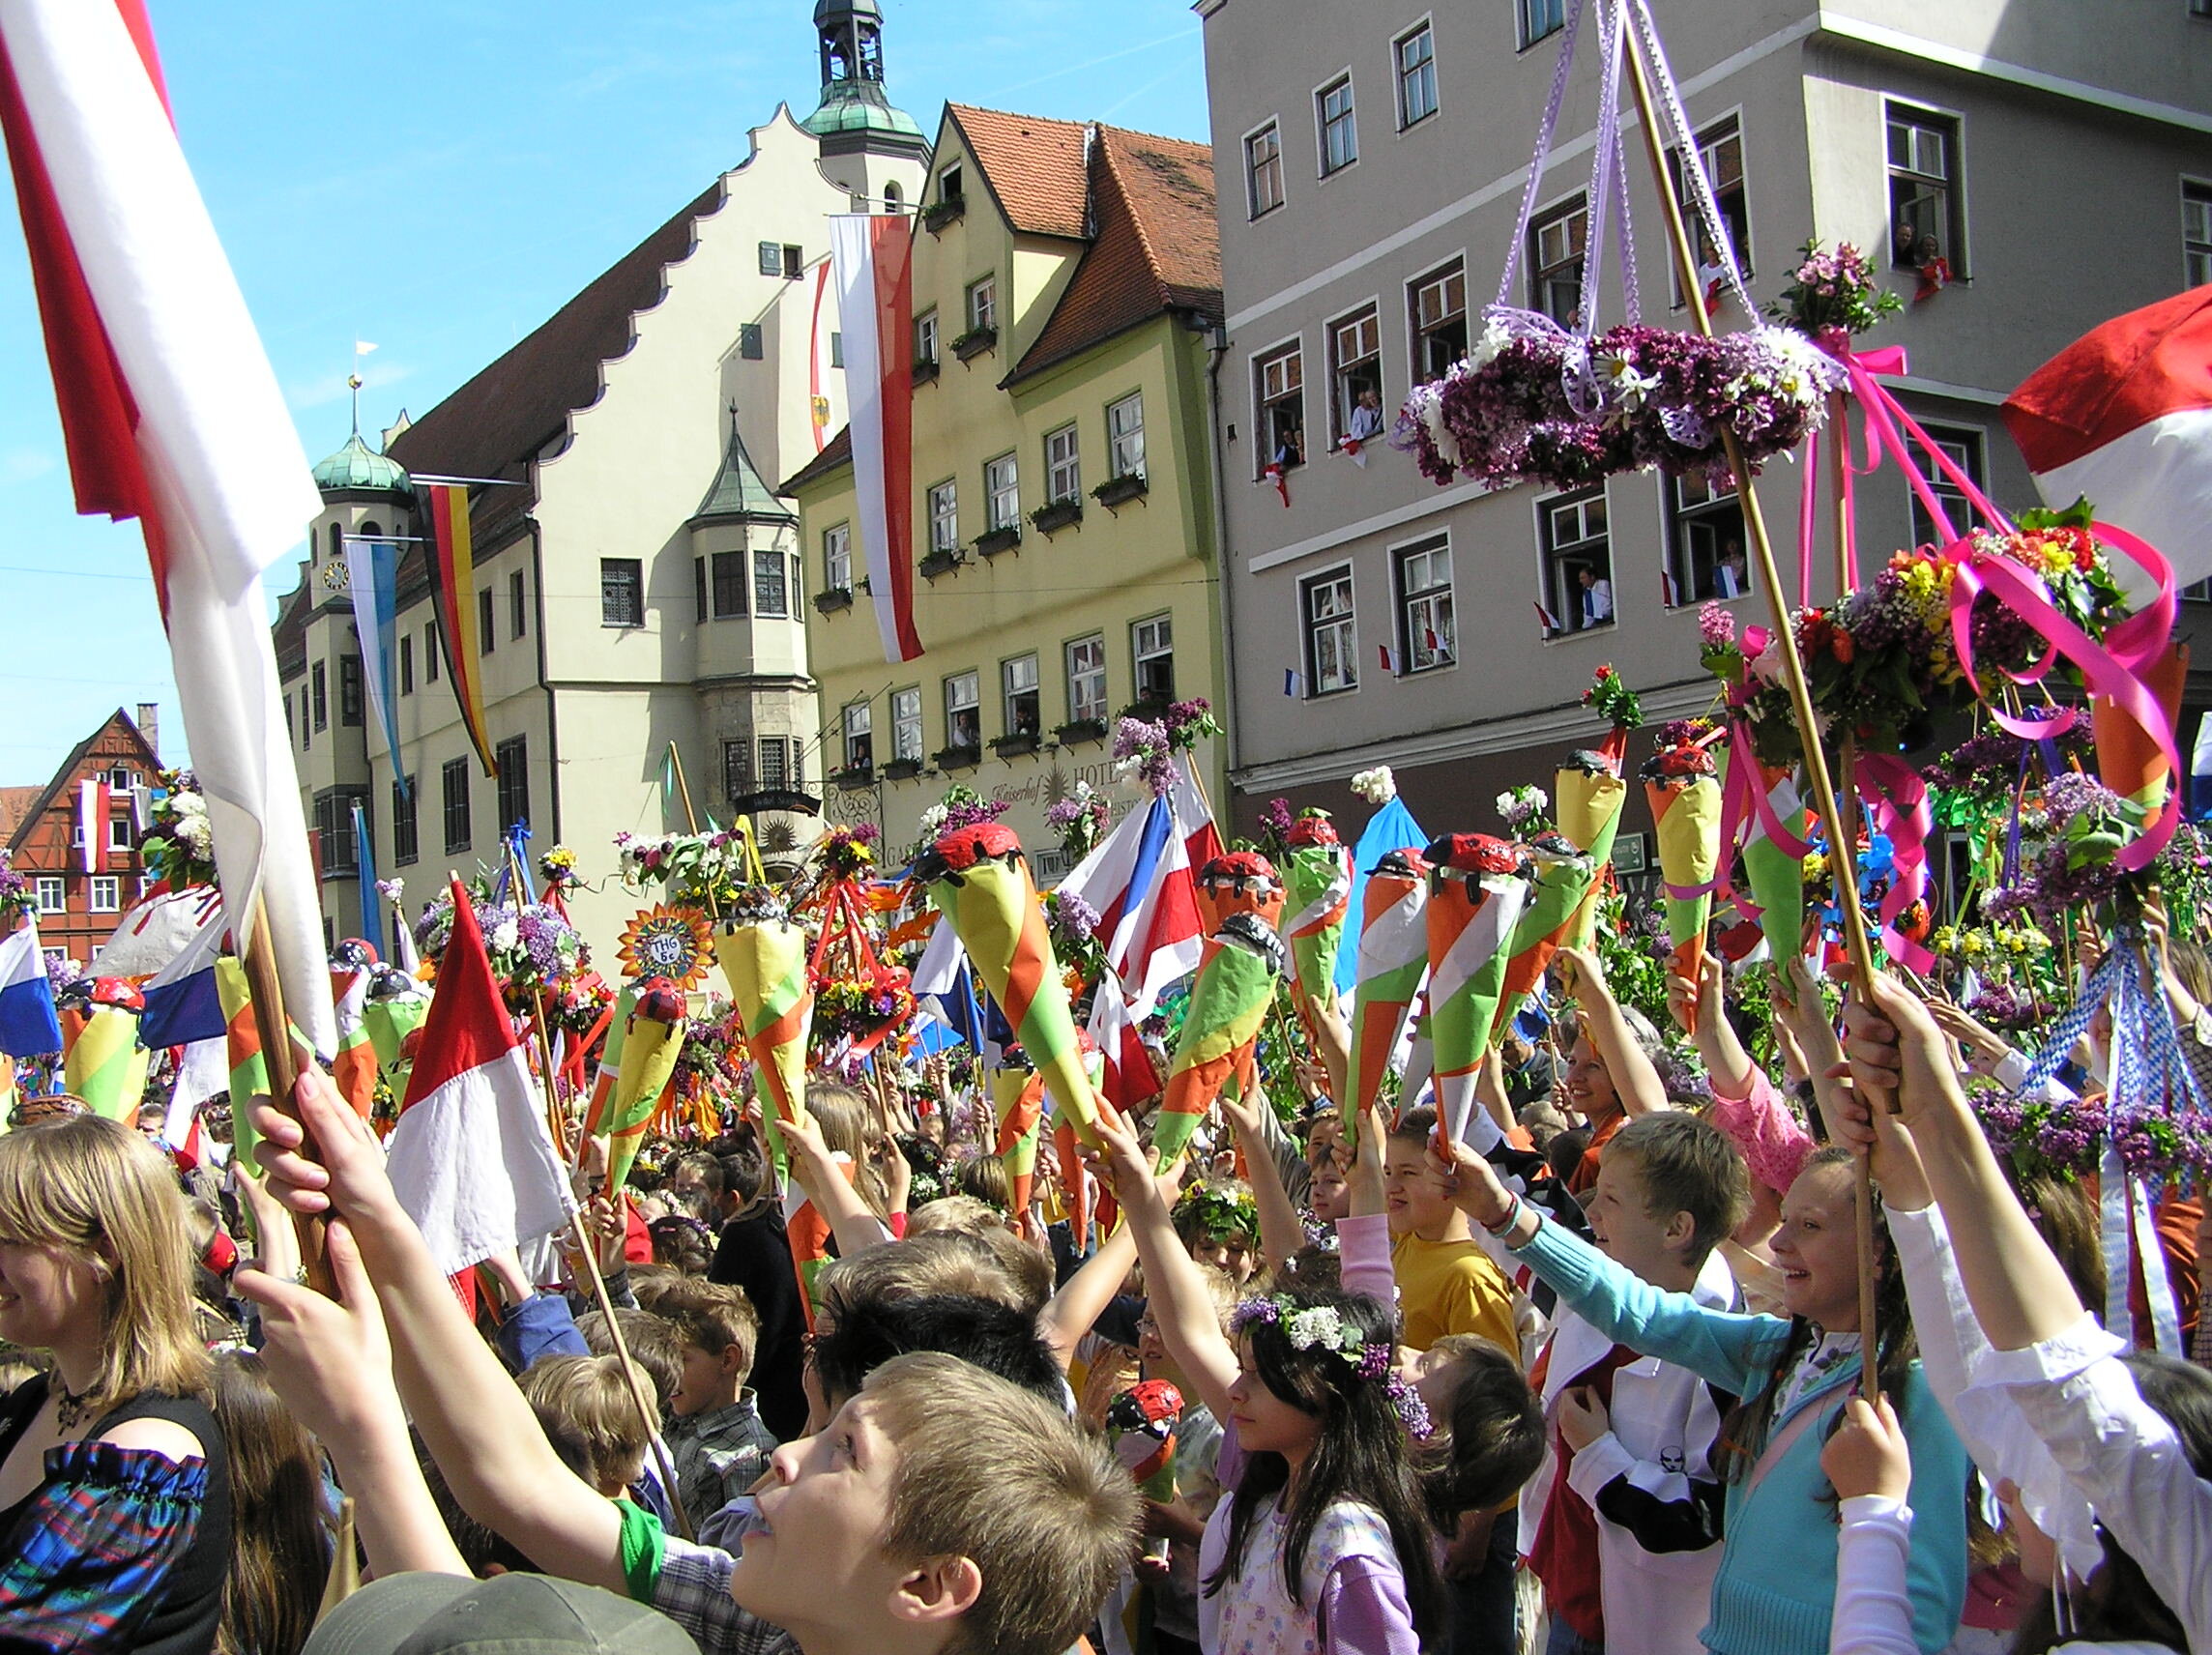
[{"x": 1867, "y": 1455}]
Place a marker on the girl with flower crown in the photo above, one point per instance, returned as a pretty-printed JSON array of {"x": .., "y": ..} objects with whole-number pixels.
[{"x": 1321, "y": 1544}]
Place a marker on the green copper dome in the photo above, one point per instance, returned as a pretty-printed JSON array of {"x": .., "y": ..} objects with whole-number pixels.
[
  {"x": 858, "y": 106},
  {"x": 357, "y": 466},
  {"x": 853, "y": 95}
]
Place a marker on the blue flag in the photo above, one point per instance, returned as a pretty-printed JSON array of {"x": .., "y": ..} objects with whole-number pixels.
[
  {"x": 372, "y": 899},
  {"x": 372, "y": 573},
  {"x": 29, "y": 1025}
]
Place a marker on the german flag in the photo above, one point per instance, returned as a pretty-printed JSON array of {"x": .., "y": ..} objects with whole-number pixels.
[{"x": 455, "y": 596}]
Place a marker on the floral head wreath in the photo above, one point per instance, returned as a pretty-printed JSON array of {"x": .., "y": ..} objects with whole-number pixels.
[{"x": 1324, "y": 1327}]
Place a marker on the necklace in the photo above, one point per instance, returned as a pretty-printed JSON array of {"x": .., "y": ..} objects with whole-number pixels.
[{"x": 69, "y": 1407}]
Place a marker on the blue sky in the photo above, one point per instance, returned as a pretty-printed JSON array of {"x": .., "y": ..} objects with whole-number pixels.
[{"x": 438, "y": 176}]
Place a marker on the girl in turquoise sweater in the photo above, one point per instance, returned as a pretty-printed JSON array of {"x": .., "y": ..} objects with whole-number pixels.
[{"x": 1775, "y": 1590}]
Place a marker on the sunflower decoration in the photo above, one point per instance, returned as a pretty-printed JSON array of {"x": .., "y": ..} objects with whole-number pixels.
[{"x": 663, "y": 941}]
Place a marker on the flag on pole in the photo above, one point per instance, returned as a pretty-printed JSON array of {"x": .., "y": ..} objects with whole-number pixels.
[
  {"x": 355, "y": 1068},
  {"x": 93, "y": 801},
  {"x": 171, "y": 415},
  {"x": 371, "y": 900},
  {"x": 820, "y": 361},
  {"x": 183, "y": 1005},
  {"x": 29, "y": 1026},
  {"x": 1139, "y": 880},
  {"x": 372, "y": 576},
  {"x": 455, "y": 594},
  {"x": 875, "y": 301},
  {"x": 470, "y": 1158}
]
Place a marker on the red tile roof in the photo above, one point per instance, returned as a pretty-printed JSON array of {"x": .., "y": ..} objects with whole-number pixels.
[
  {"x": 836, "y": 455},
  {"x": 1032, "y": 167}
]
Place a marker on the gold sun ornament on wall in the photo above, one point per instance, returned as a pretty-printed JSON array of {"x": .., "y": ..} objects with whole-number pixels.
[{"x": 663, "y": 941}]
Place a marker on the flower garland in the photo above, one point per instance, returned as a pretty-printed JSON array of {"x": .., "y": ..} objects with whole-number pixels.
[
  {"x": 1322, "y": 1327},
  {"x": 2063, "y": 1138},
  {"x": 695, "y": 870},
  {"x": 1522, "y": 810},
  {"x": 1220, "y": 1212},
  {"x": 532, "y": 946},
  {"x": 846, "y": 852}
]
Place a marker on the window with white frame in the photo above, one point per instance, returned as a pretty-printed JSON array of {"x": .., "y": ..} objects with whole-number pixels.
[
  {"x": 1263, "y": 169},
  {"x": 1927, "y": 196},
  {"x": 945, "y": 517},
  {"x": 906, "y": 725},
  {"x": 1436, "y": 310},
  {"x": 1279, "y": 381},
  {"x": 2196, "y": 231},
  {"x": 983, "y": 305},
  {"x": 103, "y": 893},
  {"x": 1426, "y": 638},
  {"x": 1087, "y": 680},
  {"x": 1331, "y": 642},
  {"x": 1706, "y": 543},
  {"x": 925, "y": 338},
  {"x": 1556, "y": 244},
  {"x": 1339, "y": 131},
  {"x": 1577, "y": 561},
  {"x": 53, "y": 893},
  {"x": 1062, "y": 465},
  {"x": 1356, "y": 369},
  {"x": 119, "y": 832},
  {"x": 1415, "y": 51},
  {"x": 1002, "y": 493},
  {"x": 962, "y": 711},
  {"x": 859, "y": 736},
  {"x": 1720, "y": 152},
  {"x": 1022, "y": 702},
  {"x": 771, "y": 587},
  {"x": 1125, "y": 435},
  {"x": 837, "y": 558},
  {"x": 1961, "y": 445},
  {"x": 1152, "y": 645},
  {"x": 949, "y": 185},
  {"x": 1541, "y": 18}
]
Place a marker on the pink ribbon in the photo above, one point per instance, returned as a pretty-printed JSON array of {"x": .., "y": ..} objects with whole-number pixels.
[{"x": 1896, "y": 802}]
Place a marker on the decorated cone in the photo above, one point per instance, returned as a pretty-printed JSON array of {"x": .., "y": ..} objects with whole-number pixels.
[
  {"x": 1017, "y": 1100},
  {"x": 2128, "y": 757},
  {"x": 396, "y": 1005},
  {"x": 650, "y": 1048},
  {"x": 1591, "y": 793},
  {"x": 1475, "y": 900},
  {"x": 1685, "y": 802},
  {"x": 1774, "y": 877},
  {"x": 1555, "y": 896},
  {"x": 1316, "y": 886},
  {"x": 354, "y": 1070},
  {"x": 1393, "y": 957},
  {"x": 1228, "y": 1002},
  {"x": 763, "y": 956},
  {"x": 610, "y": 1060},
  {"x": 1237, "y": 882},
  {"x": 1142, "y": 1424},
  {"x": 1071, "y": 1173},
  {"x": 106, "y": 1067},
  {"x": 979, "y": 879},
  {"x": 242, "y": 1035}
]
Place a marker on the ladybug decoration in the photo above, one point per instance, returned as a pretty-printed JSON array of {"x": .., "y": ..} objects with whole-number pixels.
[
  {"x": 1253, "y": 934},
  {"x": 117, "y": 992},
  {"x": 1476, "y": 853},
  {"x": 1246, "y": 871},
  {"x": 662, "y": 1000},
  {"x": 1314, "y": 828},
  {"x": 955, "y": 853},
  {"x": 1405, "y": 863},
  {"x": 354, "y": 954}
]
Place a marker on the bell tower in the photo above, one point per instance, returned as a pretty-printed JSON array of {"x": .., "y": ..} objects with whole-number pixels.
[{"x": 870, "y": 147}]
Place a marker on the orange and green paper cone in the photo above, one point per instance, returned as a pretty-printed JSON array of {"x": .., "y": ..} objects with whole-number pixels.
[
  {"x": 1562, "y": 881},
  {"x": 1393, "y": 959},
  {"x": 1476, "y": 897},
  {"x": 354, "y": 1070},
  {"x": 1316, "y": 886},
  {"x": 1142, "y": 1425},
  {"x": 1017, "y": 1101},
  {"x": 1229, "y": 1003},
  {"x": 242, "y": 1035},
  {"x": 107, "y": 1066},
  {"x": 1237, "y": 882},
  {"x": 2128, "y": 761},
  {"x": 1685, "y": 800},
  {"x": 763, "y": 957},
  {"x": 979, "y": 879},
  {"x": 651, "y": 1045},
  {"x": 1590, "y": 793},
  {"x": 1775, "y": 878}
]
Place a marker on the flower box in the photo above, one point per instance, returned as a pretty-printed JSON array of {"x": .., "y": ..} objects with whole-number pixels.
[
  {"x": 1081, "y": 730},
  {"x": 957, "y": 758},
  {"x": 1116, "y": 490},
  {"x": 1015, "y": 746},
  {"x": 926, "y": 369},
  {"x": 974, "y": 342},
  {"x": 935, "y": 563},
  {"x": 1056, "y": 515},
  {"x": 836, "y": 598},
  {"x": 1147, "y": 710},
  {"x": 1004, "y": 538},
  {"x": 949, "y": 212},
  {"x": 902, "y": 769},
  {"x": 854, "y": 775}
]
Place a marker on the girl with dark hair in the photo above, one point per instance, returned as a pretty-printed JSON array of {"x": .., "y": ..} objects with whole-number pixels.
[
  {"x": 1323, "y": 1543},
  {"x": 280, "y": 1548}
]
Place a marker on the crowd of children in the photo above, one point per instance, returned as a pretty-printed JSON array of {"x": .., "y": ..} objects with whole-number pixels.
[{"x": 1592, "y": 1378}]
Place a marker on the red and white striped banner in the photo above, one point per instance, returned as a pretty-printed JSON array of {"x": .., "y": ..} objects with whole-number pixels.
[
  {"x": 821, "y": 360},
  {"x": 875, "y": 300},
  {"x": 92, "y": 805}
]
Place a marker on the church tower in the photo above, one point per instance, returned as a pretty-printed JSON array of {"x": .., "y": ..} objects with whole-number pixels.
[{"x": 870, "y": 147}]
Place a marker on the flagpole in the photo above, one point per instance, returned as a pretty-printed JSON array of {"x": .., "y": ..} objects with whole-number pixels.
[
  {"x": 588, "y": 1244},
  {"x": 266, "y": 990}
]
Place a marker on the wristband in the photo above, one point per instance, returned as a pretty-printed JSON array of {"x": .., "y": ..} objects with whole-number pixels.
[{"x": 1511, "y": 1218}]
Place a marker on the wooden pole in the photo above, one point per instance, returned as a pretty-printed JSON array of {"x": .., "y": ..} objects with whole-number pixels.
[
  {"x": 1842, "y": 850},
  {"x": 281, "y": 1057},
  {"x": 588, "y": 1244}
]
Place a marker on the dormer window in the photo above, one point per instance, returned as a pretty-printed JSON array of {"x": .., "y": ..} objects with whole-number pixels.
[{"x": 949, "y": 185}]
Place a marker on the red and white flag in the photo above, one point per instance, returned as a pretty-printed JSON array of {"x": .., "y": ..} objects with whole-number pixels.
[
  {"x": 92, "y": 807},
  {"x": 2124, "y": 416},
  {"x": 873, "y": 255},
  {"x": 171, "y": 415},
  {"x": 470, "y": 1157},
  {"x": 821, "y": 360}
]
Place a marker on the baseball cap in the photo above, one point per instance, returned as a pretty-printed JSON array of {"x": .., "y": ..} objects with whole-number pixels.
[{"x": 423, "y": 1613}]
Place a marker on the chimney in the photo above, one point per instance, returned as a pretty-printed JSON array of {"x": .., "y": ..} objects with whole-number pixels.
[{"x": 148, "y": 720}]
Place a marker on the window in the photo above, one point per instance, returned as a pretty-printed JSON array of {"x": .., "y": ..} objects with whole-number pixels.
[
  {"x": 775, "y": 764},
  {"x": 2196, "y": 232},
  {"x": 349, "y": 689},
  {"x": 517, "y": 608},
  {"x": 1425, "y": 633},
  {"x": 1577, "y": 561},
  {"x": 1961, "y": 445},
  {"x": 793, "y": 262},
  {"x": 750, "y": 346},
  {"x": 1339, "y": 132},
  {"x": 1002, "y": 493},
  {"x": 944, "y": 518},
  {"x": 1062, "y": 465},
  {"x": 622, "y": 591},
  {"x": 963, "y": 714},
  {"x": 1720, "y": 152},
  {"x": 906, "y": 725},
  {"x": 836, "y": 349},
  {"x": 1926, "y": 201},
  {"x": 119, "y": 832},
  {"x": 737, "y": 768},
  {"x": 430, "y": 666},
  {"x": 1332, "y": 644},
  {"x": 1023, "y": 704},
  {"x": 1416, "y": 54},
  {"x": 104, "y": 893},
  {"x": 984, "y": 304},
  {"x": 335, "y": 843},
  {"x": 1555, "y": 243},
  {"x": 122, "y": 778},
  {"x": 1356, "y": 369},
  {"x": 404, "y": 846},
  {"x": 1706, "y": 542},
  {"x": 291, "y": 725},
  {"x": 770, "y": 258},
  {"x": 1541, "y": 18},
  {"x": 321, "y": 690},
  {"x": 406, "y": 665},
  {"x": 1437, "y": 312},
  {"x": 892, "y": 195},
  {"x": 859, "y": 739},
  {"x": 455, "y": 779},
  {"x": 925, "y": 338},
  {"x": 1153, "y": 645},
  {"x": 1087, "y": 680},
  {"x": 1263, "y": 169},
  {"x": 837, "y": 558},
  {"x": 729, "y": 590},
  {"x": 53, "y": 893},
  {"x": 772, "y": 585},
  {"x": 1125, "y": 436},
  {"x": 512, "y": 756},
  {"x": 699, "y": 609},
  {"x": 488, "y": 634},
  {"x": 1280, "y": 381},
  {"x": 950, "y": 186}
]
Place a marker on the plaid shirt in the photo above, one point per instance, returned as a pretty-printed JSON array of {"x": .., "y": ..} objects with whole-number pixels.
[
  {"x": 92, "y": 1550},
  {"x": 718, "y": 1456}
]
